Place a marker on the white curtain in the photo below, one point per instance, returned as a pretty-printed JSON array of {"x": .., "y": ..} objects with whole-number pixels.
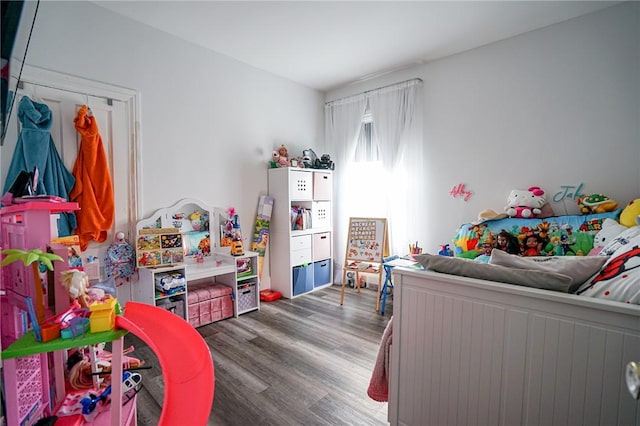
[
  {"x": 343, "y": 120},
  {"x": 397, "y": 129},
  {"x": 392, "y": 113}
]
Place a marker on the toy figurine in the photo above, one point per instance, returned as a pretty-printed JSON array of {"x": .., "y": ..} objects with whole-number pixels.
[
  {"x": 236, "y": 244},
  {"x": 445, "y": 250}
]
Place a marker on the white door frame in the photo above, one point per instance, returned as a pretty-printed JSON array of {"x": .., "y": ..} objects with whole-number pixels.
[{"x": 131, "y": 99}]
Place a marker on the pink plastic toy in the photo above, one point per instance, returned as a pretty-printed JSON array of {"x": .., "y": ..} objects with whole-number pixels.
[{"x": 187, "y": 367}]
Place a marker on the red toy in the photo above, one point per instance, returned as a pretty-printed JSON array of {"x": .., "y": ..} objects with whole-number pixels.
[{"x": 269, "y": 295}]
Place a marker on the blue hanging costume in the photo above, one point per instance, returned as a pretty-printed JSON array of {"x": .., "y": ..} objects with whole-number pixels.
[{"x": 35, "y": 148}]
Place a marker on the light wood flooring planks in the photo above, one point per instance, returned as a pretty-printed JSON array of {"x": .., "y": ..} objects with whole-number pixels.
[{"x": 305, "y": 361}]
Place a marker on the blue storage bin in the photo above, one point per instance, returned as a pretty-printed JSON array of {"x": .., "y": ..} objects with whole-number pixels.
[
  {"x": 321, "y": 272},
  {"x": 302, "y": 279}
]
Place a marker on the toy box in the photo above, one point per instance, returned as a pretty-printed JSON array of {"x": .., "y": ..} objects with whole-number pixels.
[
  {"x": 209, "y": 302},
  {"x": 103, "y": 315}
]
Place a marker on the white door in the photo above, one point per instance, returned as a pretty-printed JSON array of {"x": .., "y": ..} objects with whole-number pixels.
[{"x": 113, "y": 118}]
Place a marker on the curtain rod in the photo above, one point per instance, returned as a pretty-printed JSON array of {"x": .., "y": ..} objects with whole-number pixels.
[{"x": 374, "y": 90}]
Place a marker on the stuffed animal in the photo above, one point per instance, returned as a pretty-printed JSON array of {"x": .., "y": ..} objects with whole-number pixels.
[
  {"x": 526, "y": 204},
  {"x": 610, "y": 230},
  {"x": 281, "y": 157},
  {"x": 630, "y": 215},
  {"x": 596, "y": 203}
]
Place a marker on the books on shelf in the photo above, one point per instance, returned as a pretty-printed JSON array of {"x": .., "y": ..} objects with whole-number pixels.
[{"x": 300, "y": 218}]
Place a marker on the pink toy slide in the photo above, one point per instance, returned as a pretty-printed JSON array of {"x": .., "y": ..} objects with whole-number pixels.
[{"x": 185, "y": 359}]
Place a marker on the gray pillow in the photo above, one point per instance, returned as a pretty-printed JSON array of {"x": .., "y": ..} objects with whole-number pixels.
[
  {"x": 524, "y": 277},
  {"x": 580, "y": 268}
]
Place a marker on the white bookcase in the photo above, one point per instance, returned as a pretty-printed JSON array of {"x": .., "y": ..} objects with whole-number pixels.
[{"x": 300, "y": 250}]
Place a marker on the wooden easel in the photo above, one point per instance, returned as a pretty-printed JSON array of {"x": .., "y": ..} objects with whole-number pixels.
[{"x": 367, "y": 246}]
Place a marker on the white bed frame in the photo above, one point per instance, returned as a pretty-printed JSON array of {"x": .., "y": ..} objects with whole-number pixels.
[{"x": 474, "y": 352}]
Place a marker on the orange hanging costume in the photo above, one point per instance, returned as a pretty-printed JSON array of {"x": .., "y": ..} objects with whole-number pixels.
[{"x": 93, "y": 190}]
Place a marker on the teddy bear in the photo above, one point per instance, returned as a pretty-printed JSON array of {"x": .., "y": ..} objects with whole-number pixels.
[
  {"x": 596, "y": 203},
  {"x": 281, "y": 157},
  {"x": 525, "y": 204},
  {"x": 630, "y": 215}
]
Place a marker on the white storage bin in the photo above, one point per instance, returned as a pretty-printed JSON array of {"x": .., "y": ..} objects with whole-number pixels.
[
  {"x": 301, "y": 242},
  {"x": 301, "y": 257},
  {"x": 322, "y": 186},
  {"x": 300, "y": 185},
  {"x": 321, "y": 214},
  {"x": 321, "y": 246}
]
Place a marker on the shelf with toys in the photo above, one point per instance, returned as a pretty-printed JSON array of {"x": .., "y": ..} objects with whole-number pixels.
[{"x": 182, "y": 269}]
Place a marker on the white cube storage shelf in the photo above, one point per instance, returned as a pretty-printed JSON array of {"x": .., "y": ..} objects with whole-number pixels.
[{"x": 300, "y": 260}]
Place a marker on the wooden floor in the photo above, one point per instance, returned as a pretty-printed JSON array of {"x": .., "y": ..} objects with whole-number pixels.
[{"x": 305, "y": 361}]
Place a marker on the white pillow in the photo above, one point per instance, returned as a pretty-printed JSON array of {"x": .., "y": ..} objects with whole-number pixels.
[
  {"x": 580, "y": 268},
  {"x": 619, "y": 278},
  {"x": 620, "y": 240}
]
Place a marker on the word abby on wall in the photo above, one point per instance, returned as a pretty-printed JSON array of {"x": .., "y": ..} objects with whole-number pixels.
[{"x": 460, "y": 191}]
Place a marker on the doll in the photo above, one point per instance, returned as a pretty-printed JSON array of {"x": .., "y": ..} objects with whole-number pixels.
[
  {"x": 507, "y": 242},
  {"x": 532, "y": 246},
  {"x": 281, "y": 157},
  {"x": 76, "y": 283}
]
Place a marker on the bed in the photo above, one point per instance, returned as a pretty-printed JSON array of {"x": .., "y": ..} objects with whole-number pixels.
[
  {"x": 476, "y": 351},
  {"x": 471, "y": 351}
]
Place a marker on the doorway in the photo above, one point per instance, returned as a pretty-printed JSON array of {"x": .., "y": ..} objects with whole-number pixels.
[{"x": 116, "y": 111}]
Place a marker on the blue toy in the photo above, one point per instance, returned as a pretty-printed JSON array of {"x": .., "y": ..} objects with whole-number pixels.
[{"x": 445, "y": 250}]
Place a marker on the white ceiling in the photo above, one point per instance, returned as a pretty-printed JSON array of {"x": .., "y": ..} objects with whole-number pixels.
[{"x": 326, "y": 44}]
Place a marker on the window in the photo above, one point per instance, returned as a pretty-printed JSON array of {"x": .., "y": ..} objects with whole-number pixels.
[
  {"x": 366, "y": 148},
  {"x": 366, "y": 178}
]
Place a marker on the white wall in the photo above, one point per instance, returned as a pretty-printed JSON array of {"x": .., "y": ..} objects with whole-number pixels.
[
  {"x": 208, "y": 123},
  {"x": 553, "y": 107},
  {"x": 556, "y": 106}
]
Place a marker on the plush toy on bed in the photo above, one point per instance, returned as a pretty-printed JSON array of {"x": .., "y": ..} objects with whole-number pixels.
[
  {"x": 596, "y": 203},
  {"x": 525, "y": 204},
  {"x": 630, "y": 215},
  {"x": 610, "y": 230}
]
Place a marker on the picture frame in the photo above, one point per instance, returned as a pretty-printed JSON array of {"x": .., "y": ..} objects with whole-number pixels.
[{"x": 159, "y": 247}]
